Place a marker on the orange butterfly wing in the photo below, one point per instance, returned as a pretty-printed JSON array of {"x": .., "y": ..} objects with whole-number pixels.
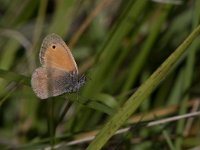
[{"x": 55, "y": 53}]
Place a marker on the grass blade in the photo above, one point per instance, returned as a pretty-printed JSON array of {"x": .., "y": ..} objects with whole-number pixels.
[{"x": 141, "y": 94}]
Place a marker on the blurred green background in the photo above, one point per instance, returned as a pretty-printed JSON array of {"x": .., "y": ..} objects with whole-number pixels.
[{"x": 117, "y": 45}]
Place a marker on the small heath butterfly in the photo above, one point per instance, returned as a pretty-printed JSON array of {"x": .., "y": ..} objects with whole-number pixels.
[{"x": 58, "y": 73}]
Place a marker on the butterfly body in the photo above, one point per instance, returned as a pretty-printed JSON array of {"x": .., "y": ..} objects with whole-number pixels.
[{"x": 59, "y": 73}]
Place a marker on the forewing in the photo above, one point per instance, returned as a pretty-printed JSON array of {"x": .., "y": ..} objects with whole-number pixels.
[{"x": 55, "y": 53}]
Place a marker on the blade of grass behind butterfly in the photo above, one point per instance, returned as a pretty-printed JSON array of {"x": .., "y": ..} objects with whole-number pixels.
[
  {"x": 173, "y": 30},
  {"x": 139, "y": 61},
  {"x": 84, "y": 104},
  {"x": 63, "y": 12},
  {"x": 108, "y": 107},
  {"x": 127, "y": 49},
  {"x": 111, "y": 46},
  {"x": 113, "y": 69},
  {"x": 16, "y": 14},
  {"x": 38, "y": 28},
  {"x": 25, "y": 12},
  {"x": 110, "y": 49},
  {"x": 7, "y": 58},
  {"x": 87, "y": 22},
  {"x": 8, "y": 16},
  {"x": 143, "y": 54},
  {"x": 188, "y": 76},
  {"x": 182, "y": 84},
  {"x": 11, "y": 46},
  {"x": 141, "y": 94},
  {"x": 12, "y": 76}
]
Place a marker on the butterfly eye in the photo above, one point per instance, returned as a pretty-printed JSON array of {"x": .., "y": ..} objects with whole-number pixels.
[{"x": 53, "y": 46}]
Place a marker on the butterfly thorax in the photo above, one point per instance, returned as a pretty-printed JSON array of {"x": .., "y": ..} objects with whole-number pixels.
[{"x": 74, "y": 82}]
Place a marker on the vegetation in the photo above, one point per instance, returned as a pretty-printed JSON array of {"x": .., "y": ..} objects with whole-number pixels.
[{"x": 140, "y": 61}]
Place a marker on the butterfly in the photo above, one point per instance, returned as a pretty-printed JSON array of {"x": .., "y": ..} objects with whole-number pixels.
[{"x": 58, "y": 73}]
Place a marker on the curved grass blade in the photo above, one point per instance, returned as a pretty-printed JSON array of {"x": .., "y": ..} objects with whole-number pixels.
[{"x": 141, "y": 94}]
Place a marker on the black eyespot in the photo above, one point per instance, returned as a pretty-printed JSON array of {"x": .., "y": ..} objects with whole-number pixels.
[{"x": 53, "y": 46}]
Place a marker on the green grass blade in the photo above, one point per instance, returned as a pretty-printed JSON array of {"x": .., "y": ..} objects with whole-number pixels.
[
  {"x": 141, "y": 94},
  {"x": 139, "y": 61},
  {"x": 62, "y": 13},
  {"x": 110, "y": 50},
  {"x": 12, "y": 76},
  {"x": 169, "y": 141},
  {"x": 187, "y": 78}
]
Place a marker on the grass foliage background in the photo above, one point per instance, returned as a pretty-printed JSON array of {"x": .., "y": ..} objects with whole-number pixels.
[{"x": 117, "y": 45}]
